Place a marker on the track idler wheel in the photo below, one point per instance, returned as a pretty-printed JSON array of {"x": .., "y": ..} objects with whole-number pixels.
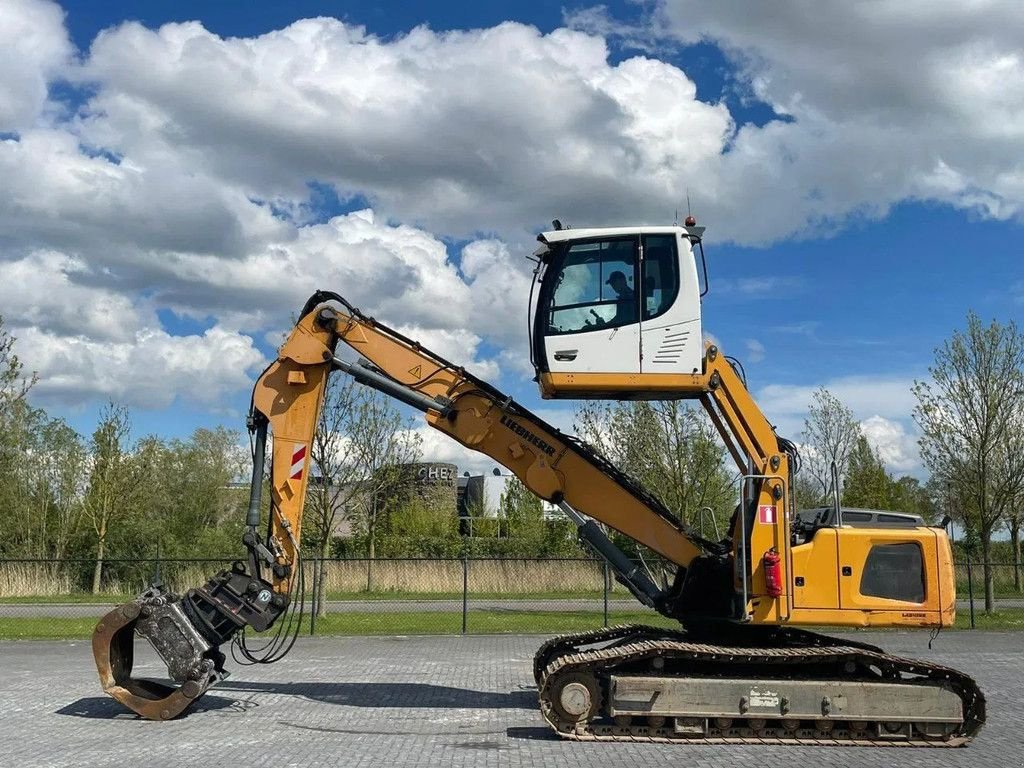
[
  {"x": 113, "y": 648},
  {"x": 575, "y": 698}
]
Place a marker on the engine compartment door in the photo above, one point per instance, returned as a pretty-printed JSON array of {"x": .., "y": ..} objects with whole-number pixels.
[{"x": 888, "y": 569}]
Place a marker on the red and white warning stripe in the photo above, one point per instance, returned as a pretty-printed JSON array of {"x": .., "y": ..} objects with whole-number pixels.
[{"x": 298, "y": 461}]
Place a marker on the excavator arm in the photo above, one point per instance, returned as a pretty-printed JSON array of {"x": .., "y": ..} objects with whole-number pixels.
[{"x": 189, "y": 630}]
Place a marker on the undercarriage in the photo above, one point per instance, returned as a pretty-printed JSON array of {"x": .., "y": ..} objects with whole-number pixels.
[{"x": 639, "y": 683}]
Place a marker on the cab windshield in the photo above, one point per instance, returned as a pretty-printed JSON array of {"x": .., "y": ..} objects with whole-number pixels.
[{"x": 594, "y": 286}]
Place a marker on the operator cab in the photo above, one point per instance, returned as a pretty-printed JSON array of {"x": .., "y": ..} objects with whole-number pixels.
[{"x": 617, "y": 314}]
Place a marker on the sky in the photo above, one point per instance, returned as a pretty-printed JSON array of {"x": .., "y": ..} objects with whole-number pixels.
[{"x": 176, "y": 178}]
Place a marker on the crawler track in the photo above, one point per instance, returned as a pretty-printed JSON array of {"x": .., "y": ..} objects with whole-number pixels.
[{"x": 589, "y": 659}]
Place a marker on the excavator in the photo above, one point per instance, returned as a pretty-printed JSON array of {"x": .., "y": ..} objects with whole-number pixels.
[{"x": 615, "y": 313}]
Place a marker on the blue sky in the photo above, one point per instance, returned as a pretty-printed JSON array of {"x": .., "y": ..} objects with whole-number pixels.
[{"x": 175, "y": 189}]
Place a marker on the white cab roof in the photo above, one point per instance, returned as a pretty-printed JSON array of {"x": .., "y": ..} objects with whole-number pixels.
[{"x": 560, "y": 235}]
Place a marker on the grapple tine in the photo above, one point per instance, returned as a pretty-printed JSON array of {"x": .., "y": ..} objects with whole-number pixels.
[{"x": 113, "y": 648}]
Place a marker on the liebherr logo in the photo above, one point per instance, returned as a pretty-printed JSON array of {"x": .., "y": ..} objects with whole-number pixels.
[{"x": 527, "y": 435}]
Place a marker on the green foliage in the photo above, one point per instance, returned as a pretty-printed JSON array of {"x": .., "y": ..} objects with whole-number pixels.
[
  {"x": 867, "y": 484},
  {"x": 670, "y": 448},
  {"x": 422, "y": 525},
  {"x": 108, "y": 498},
  {"x": 971, "y": 416}
]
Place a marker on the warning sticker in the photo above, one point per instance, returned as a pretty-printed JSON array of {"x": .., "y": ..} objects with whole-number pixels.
[
  {"x": 766, "y": 514},
  {"x": 298, "y": 462}
]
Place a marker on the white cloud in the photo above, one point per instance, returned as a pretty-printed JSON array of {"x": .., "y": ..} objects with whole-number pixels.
[
  {"x": 758, "y": 286},
  {"x": 50, "y": 290},
  {"x": 482, "y": 130},
  {"x": 895, "y": 445},
  {"x": 755, "y": 350},
  {"x": 185, "y": 177},
  {"x": 864, "y": 395},
  {"x": 33, "y": 48},
  {"x": 148, "y": 371},
  {"x": 130, "y": 211},
  {"x": 888, "y": 101},
  {"x": 88, "y": 342}
]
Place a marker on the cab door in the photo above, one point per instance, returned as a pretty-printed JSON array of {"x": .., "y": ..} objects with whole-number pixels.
[
  {"x": 592, "y": 319},
  {"x": 671, "y": 340}
]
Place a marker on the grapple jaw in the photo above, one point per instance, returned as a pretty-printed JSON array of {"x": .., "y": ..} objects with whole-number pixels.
[
  {"x": 192, "y": 662},
  {"x": 186, "y": 632}
]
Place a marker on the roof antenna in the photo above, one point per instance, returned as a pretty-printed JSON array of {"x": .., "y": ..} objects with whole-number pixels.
[{"x": 690, "y": 221}]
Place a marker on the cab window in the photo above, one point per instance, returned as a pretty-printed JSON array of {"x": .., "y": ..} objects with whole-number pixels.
[
  {"x": 660, "y": 274},
  {"x": 595, "y": 287}
]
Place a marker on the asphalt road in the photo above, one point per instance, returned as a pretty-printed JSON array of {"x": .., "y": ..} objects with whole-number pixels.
[
  {"x": 421, "y": 701},
  {"x": 394, "y": 606}
]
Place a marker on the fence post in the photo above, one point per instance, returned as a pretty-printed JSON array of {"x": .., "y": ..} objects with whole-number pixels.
[
  {"x": 313, "y": 601},
  {"x": 604, "y": 589},
  {"x": 970, "y": 589},
  {"x": 465, "y": 589}
]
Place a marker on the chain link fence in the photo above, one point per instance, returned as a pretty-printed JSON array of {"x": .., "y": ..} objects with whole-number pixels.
[
  {"x": 48, "y": 598},
  {"x": 351, "y": 596}
]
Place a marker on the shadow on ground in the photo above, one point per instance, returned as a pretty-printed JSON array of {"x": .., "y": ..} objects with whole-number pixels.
[
  {"x": 531, "y": 733},
  {"x": 105, "y": 708},
  {"x": 392, "y": 694}
]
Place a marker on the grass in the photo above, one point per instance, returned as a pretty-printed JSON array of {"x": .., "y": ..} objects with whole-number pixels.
[
  {"x": 448, "y": 623},
  {"x": 45, "y": 628},
  {"x": 1004, "y": 619},
  {"x": 77, "y": 598}
]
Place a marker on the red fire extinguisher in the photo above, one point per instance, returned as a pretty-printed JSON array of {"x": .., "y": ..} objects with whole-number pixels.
[{"x": 773, "y": 572}]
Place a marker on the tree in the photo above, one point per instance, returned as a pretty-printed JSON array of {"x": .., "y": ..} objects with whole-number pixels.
[
  {"x": 334, "y": 470},
  {"x": 18, "y": 425},
  {"x": 972, "y": 427},
  {"x": 14, "y": 385},
  {"x": 188, "y": 500},
  {"x": 60, "y": 464},
  {"x": 380, "y": 443},
  {"x": 669, "y": 447},
  {"x": 807, "y": 492},
  {"x": 866, "y": 483},
  {"x": 113, "y": 481},
  {"x": 523, "y": 516},
  {"x": 422, "y": 523},
  {"x": 1014, "y": 521},
  {"x": 910, "y": 496},
  {"x": 830, "y": 435}
]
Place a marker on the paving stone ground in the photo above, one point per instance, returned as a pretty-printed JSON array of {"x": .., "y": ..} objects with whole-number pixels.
[{"x": 421, "y": 701}]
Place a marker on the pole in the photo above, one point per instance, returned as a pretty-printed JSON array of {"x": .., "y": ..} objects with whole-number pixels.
[
  {"x": 970, "y": 587},
  {"x": 313, "y": 602},
  {"x": 604, "y": 585},
  {"x": 465, "y": 589}
]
